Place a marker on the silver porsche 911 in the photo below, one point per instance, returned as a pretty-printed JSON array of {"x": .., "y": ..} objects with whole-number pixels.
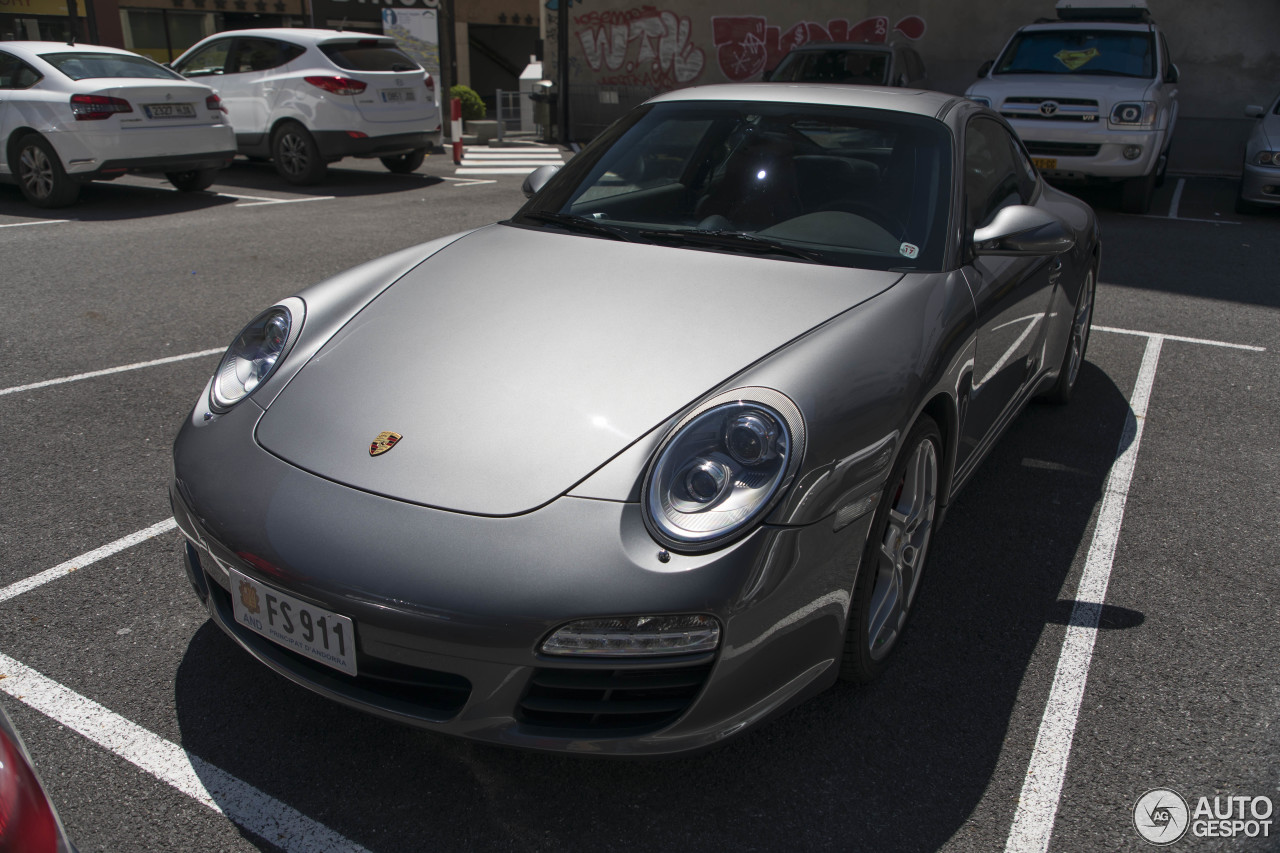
[{"x": 662, "y": 454}]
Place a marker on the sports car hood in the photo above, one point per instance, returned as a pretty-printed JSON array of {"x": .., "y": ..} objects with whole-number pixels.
[{"x": 515, "y": 362}]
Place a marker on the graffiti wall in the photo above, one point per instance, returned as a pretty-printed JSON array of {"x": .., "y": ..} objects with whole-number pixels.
[
  {"x": 640, "y": 47},
  {"x": 748, "y": 45},
  {"x": 649, "y": 46}
]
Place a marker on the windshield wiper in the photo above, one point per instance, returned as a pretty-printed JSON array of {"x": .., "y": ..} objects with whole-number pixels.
[
  {"x": 579, "y": 223},
  {"x": 733, "y": 240}
]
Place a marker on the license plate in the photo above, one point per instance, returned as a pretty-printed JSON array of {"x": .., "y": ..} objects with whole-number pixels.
[
  {"x": 1045, "y": 162},
  {"x": 313, "y": 632},
  {"x": 398, "y": 96},
  {"x": 169, "y": 110}
]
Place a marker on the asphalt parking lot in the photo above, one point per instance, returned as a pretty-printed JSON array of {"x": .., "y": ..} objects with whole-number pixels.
[{"x": 1147, "y": 507}]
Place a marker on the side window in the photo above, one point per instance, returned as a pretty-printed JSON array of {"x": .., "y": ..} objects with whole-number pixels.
[
  {"x": 1028, "y": 174},
  {"x": 16, "y": 74},
  {"x": 253, "y": 54},
  {"x": 1166, "y": 59},
  {"x": 991, "y": 179},
  {"x": 210, "y": 59}
]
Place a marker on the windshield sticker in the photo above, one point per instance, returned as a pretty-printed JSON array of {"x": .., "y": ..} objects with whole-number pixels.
[
  {"x": 1074, "y": 59},
  {"x": 908, "y": 250}
]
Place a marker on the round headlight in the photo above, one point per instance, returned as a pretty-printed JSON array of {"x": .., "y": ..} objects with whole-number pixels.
[
  {"x": 721, "y": 469},
  {"x": 252, "y": 356}
]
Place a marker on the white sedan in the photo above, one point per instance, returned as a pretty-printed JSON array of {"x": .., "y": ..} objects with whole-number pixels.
[{"x": 76, "y": 113}]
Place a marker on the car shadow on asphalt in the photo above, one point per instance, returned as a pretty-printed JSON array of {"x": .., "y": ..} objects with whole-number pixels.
[
  {"x": 899, "y": 765},
  {"x": 261, "y": 176},
  {"x": 108, "y": 201}
]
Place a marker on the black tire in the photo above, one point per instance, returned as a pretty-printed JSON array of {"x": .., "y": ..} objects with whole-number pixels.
[
  {"x": 40, "y": 174},
  {"x": 403, "y": 164},
  {"x": 1077, "y": 342},
  {"x": 895, "y": 556},
  {"x": 296, "y": 155},
  {"x": 1137, "y": 192},
  {"x": 192, "y": 180}
]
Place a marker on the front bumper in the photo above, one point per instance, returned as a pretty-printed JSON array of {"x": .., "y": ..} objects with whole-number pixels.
[
  {"x": 1094, "y": 154},
  {"x": 450, "y": 610},
  {"x": 1260, "y": 185}
]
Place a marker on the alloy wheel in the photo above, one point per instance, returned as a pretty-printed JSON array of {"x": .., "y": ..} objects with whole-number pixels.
[
  {"x": 900, "y": 557},
  {"x": 35, "y": 170}
]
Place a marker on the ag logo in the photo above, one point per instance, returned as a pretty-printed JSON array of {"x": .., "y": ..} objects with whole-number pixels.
[
  {"x": 249, "y": 597},
  {"x": 384, "y": 442},
  {"x": 1161, "y": 816}
]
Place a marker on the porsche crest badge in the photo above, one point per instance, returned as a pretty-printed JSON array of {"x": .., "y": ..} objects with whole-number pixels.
[{"x": 384, "y": 442}]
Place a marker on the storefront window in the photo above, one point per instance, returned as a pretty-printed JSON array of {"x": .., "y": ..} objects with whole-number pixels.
[{"x": 162, "y": 34}]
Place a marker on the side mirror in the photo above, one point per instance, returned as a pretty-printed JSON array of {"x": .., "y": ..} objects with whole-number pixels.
[
  {"x": 1020, "y": 230},
  {"x": 1171, "y": 74},
  {"x": 537, "y": 179},
  {"x": 1254, "y": 111},
  {"x": 985, "y": 67}
]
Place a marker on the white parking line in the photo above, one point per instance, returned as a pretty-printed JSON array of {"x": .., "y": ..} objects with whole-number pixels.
[
  {"x": 286, "y": 201},
  {"x": 110, "y": 370},
  {"x": 44, "y": 222},
  {"x": 1042, "y": 788},
  {"x": 1179, "y": 338},
  {"x": 1177, "y": 198},
  {"x": 261, "y": 814},
  {"x": 87, "y": 559}
]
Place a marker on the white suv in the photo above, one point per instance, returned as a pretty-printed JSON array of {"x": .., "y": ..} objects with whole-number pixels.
[
  {"x": 1092, "y": 95},
  {"x": 305, "y": 98}
]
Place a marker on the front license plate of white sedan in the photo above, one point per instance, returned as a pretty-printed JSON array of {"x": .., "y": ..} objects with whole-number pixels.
[
  {"x": 170, "y": 110},
  {"x": 1045, "y": 163},
  {"x": 321, "y": 635},
  {"x": 398, "y": 96}
]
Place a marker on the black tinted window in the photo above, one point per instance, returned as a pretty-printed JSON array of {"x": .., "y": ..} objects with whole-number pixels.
[
  {"x": 254, "y": 54},
  {"x": 368, "y": 55},
  {"x": 85, "y": 66},
  {"x": 991, "y": 175},
  {"x": 16, "y": 74},
  {"x": 834, "y": 66}
]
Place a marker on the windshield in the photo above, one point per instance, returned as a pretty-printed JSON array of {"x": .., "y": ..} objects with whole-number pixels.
[
  {"x": 834, "y": 66},
  {"x": 84, "y": 65},
  {"x": 837, "y": 185},
  {"x": 1118, "y": 53}
]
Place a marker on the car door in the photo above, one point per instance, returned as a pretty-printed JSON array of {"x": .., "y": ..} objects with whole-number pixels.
[
  {"x": 1012, "y": 294},
  {"x": 21, "y": 104},
  {"x": 209, "y": 65}
]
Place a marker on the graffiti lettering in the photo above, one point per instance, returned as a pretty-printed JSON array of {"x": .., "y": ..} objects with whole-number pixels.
[
  {"x": 642, "y": 45},
  {"x": 746, "y": 45}
]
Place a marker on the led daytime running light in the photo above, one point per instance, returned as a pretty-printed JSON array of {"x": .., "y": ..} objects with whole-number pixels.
[{"x": 628, "y": 636}]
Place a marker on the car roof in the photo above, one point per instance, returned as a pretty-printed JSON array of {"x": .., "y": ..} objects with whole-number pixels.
[
  {"x": 915, "y": 101},
  {"x": 1123, "y": 26},
  {"x": 305, "y": 34},
  {"x": 36, "y": 48}
]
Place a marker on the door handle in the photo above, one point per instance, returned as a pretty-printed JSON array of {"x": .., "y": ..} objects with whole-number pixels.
[{"x": 1055, "y": 270}]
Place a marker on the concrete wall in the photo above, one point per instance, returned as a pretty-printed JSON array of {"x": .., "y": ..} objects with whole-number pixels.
[{"x": 1225, "y": 49}]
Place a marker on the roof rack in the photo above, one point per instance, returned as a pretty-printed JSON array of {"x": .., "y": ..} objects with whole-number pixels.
[{"x": 1103, "y": 10}]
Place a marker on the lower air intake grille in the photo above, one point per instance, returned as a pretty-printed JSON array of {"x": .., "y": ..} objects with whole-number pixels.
[
  {"x": 623, "y": 701},
  {"x": 1062, "y": 149}
]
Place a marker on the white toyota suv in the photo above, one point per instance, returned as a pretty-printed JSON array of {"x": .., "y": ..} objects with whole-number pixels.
[
  {"x": 306, "y": 98},
  {"x": 1092, "y": 95}
]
